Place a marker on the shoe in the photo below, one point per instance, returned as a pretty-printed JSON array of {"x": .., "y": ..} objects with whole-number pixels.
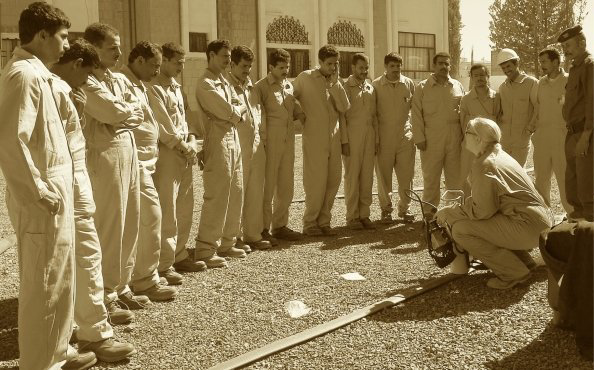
[
  {"x": 497, "y": 283},
  {"x": 313, "y": 231},
  {"x": 526, "y": 259},
  {"x": 286, "y": 234},
  {"x": 232, "y": 253},
  {"x": 266, "y": 236},
  {"x": 214, "y": 261},
  {"x": 117, "y": 315},
  {"x": 189, "y": 265},
  {"x": 240, "y": 244},
  {"x": 260, "y": 245},
  {"x": 80, "y": 361},
  {"x": 407, "y": 216},
  {"x": 172, "y": 277},
  {"x": 386, "y": 217},
  {"x": 354, "y": 225},
  {"x": 328, "y": 231},
  {"x": 109, "y": 350},
  {"x": 159, "y": 293},
  {"x": 367, "y": 224},
  {"x": 133, "y": 302}
]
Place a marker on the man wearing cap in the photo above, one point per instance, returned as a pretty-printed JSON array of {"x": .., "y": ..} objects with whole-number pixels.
[
  {"x": 577, "y": 112},
  {"x": 517, "y": 109}
]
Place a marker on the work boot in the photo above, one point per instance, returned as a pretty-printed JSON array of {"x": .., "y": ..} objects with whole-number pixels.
[
  {"x": 232, "y": 253},
  {"x": 367, "y": 224},
  {"x": 328, "y": 231},
  {"x": 407, "y": 216},
  {"x": 109, "y": 350},
  {"x": 286, "y": 234},
  {"x": 133, "y": 302},
  {"x": 117, "y": 315},
  {"x": 386, "y": 217},
  {"x": 313, "y": 231},
  {"x": 260, "y": 245},
  {"x": 526, "y": 259},
  {"x": 240, "y": 244},
  {"x": 189, "y": 265},
  {"x": 159, "y": 293},
  {"x": 355, "y": 225},
  {"x": 266, "y": 236},
  {"x": 497, "y": 283},
  {"x": 214, "y": 261},
  {"x": 79, "y": 360},
  {"x": 172, "y": 277}
]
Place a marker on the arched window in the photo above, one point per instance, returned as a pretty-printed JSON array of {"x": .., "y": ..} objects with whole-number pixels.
[
  {"x": 349, "y": 39},
  {"x": 288, "y": 33}
]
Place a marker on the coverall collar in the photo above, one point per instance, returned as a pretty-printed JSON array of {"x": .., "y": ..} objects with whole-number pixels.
[
  {"x": 547, "y": 79},
  {"x": 384, "y": 79},
  {"x": 474, "y": 94},
  {"x": 33, "y": 60},
  {"x": 432, "y": 80},
  {"x": 580, "y": 59},
  {"x": 317, "y": 73},
  {"x": 126, "y": 71},
  {"x": 166, "y": 81},
  {"x": 271, "y": 80},
  {"x": 352, "y": 81},
  {"x": 518, "y": 80},
  {"x": 218, "y": 79},
  {"x": 236, "y": 83}
]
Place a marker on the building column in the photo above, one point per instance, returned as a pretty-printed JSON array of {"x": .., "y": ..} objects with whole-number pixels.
[
  {"x": 370, "y": 44},
  {"x": 261, "y": 29}
]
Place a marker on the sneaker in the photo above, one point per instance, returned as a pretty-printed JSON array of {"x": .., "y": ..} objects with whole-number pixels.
[
  {"x": 172, "y": 277},
  {"x": 117, "y": 315},
  {"x": 367, "y": 224},
  {"x": 313, "y": 231},
  {"x": 159, "y": 293},
  {"x": 109, "y": 350},
  {"x": 266, "y": 236},
  {"x": 214, "y": 261},
  {"x": 497, "y": 283},
  {"x": 386, "y": 217},
  {"x": 240, "y": 244},
  {"x": 328, "y": 231},
  {"x": 133, "y": 302},
  {"x": 189, "y": 265},
  {"x": 260, "y": 245},
  {"x": 286, "y": 234},
  {"x": 355, "y": 225},
  {"x": 232, "y": 253},
  {"x": 80, "y": 360},
  {"x": 407, "y": 216}
]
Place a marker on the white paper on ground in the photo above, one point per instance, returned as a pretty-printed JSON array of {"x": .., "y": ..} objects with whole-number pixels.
[
  {"x": 297, "y": 309},
  {"x": 352, "y": 276}
]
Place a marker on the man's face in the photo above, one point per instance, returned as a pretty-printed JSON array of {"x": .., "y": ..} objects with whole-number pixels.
[
  {"x": 221, "y": 59},
  {"x": 548, "y": 65},
  {"x": 573, "y": 48},
  {"x": 442, "y": 66},
  {"x": 479, "y": 77},
  {"x": 509, "y": 68},
  {"x": 56, "y": 44},
  {"x": 361, "y": 69},
  {"x": 241, "y": 70},
  {"x": 329, "y": 66},
  {"x": 280, "y": 71},
  {"x": 148, "y": 68},
  {"x": 393, "y": 70},
  {"x": 173, "y": 66},
  {"x": 109, "y": 51}
]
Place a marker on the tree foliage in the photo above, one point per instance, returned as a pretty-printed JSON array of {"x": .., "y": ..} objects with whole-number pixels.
[
  {"x": 528, "y": 26},
  {"x": 454, "y": 35}
]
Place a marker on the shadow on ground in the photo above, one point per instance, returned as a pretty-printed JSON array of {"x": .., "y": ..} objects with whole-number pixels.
[{"x": 9, "y": 346}]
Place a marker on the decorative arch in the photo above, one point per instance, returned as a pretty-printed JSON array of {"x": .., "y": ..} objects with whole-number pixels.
[
  {"x": 345, "y": 33},
  {"x": 286, "y": 30}
]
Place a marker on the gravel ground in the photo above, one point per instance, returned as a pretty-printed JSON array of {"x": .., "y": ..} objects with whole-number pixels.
[{"x": 220, "y": 314}]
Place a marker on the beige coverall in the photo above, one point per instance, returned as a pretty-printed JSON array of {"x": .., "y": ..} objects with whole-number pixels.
[
  {"x": 173, "y": 175},
  {"x": 113, "y": 168},
  {"x": 279, "y": 110},
  {"x": 436, "y": 120},
  {"x": 146, "y": 136},
  {"x": 35, "y": 161},
  {"x": 90, "y": 313},
  {"x": 361, "y": 124},
  {"x": 322, "y": 139},
  {"x": 397, "y": 150},
  {"x": 549, "y": 137},
  {"x": 221, "y": 210},
  {"x": 517, "y": 110},
  {"x": 252, "y": 136}
]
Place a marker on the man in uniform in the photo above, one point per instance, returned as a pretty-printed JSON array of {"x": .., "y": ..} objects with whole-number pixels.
[
  {"x": 436, "y": 129},
  {"x": 322, "y": 98},
  {"x": 222, "y": 114},
  {"x": 396, "y": 151},
  {"x": 173, "y": 177},
  {"x": 517, "y": 109},
  {"x": 361, "y": 125},
  {"x": 577, "y": 112}
]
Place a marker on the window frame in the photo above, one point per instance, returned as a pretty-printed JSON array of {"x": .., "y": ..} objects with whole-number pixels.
[{"x": 412, "y": 73}]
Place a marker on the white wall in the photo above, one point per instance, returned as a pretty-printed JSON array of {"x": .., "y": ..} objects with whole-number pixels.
[
  {"x": 423, "y": 16},
  {"x": 81, "y": 12}
]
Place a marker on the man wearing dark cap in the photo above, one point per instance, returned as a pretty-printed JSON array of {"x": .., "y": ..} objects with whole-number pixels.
[{"x": 577, "y": 112}]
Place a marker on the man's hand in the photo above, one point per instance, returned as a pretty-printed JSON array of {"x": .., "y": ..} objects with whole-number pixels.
[
  {"x": 583, "y": 144},
  {"x": 441, "y": 216},
  {"x": 422, "y": 145},
  {"x": 200, "y": 159},
  {"x": 346, "y": 149},
  {"x": 50, "y": 203},
  {"x": 333, "y": 78},
  {"x": 79, "y": 98}
]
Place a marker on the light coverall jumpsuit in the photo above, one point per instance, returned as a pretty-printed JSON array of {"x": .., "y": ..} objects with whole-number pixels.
[
  {"x": 549, "y": 137},
  {"x": 146, "y": 136},
  {"x": 279, "y": 110},
  {"x": 322, "y": 139},
  {"x": 397, "y": 150},
  {"x": 90, "y": 313},
  {"x": 472, "y": 107},
  {"x": 221, "y": 210},
  {"x": 173, "y": 176},
  {"x": 361, "y": 124},
  {"x": 517, "y": 110},
  {"x": 436, "y": 120},
  {"x": 113, "y": 168},
  {"x": 504, "y": 215},
  {"x": 252, "y": 136},
  {"x": 35, "y": 161}
]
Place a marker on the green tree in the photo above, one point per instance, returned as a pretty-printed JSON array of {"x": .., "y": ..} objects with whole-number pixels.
[
  {"x": 528, "y": 26},
  {"x": 454, "y": 35}
]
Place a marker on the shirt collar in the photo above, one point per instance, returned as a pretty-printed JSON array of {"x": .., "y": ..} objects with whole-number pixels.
[
  {"x": 519, "y": 79},
  {"x": 126, "y": 71},
  {"x": 473, "y": 94},
  {"x": 63, "y": 84},
  {"x": 384, "y": 80},
  {"x": 34, "y": 61},
  {"x": 547, "y": 79},
  {"x": 271, "y": 80},
  {"x": 580, "y": 59},
  {"x": 352, "y": 81},
  {"x": 219, "y": 79},
  {"x": 317, "y": 73},
  {"x": 236, "y": 83},
  {"x": 166, "y": 81},
  {"x": 432, "y": 80}
]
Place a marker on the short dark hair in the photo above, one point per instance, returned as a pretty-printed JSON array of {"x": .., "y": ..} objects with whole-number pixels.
[
  {"x": 39, "y": 16},
  {"x": 96, "y": 33},
  {"x": 479, "y": 66},
  {"x": 551, "y": 53},
  {"x": 144, "y": 49},
  {"x": 359, "y": 56},
  {"x": 215, "y": 46},
  {"x": 279, "y": 56},
  {"x": 328, "y": 51},
  {"x": 81, "y": 48},
  {"x": 170, "y": 49},
  {"x": 392, "y": 57},
  {"x": 442, "y": 54},
  {"x": 241, "y": 52}
]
